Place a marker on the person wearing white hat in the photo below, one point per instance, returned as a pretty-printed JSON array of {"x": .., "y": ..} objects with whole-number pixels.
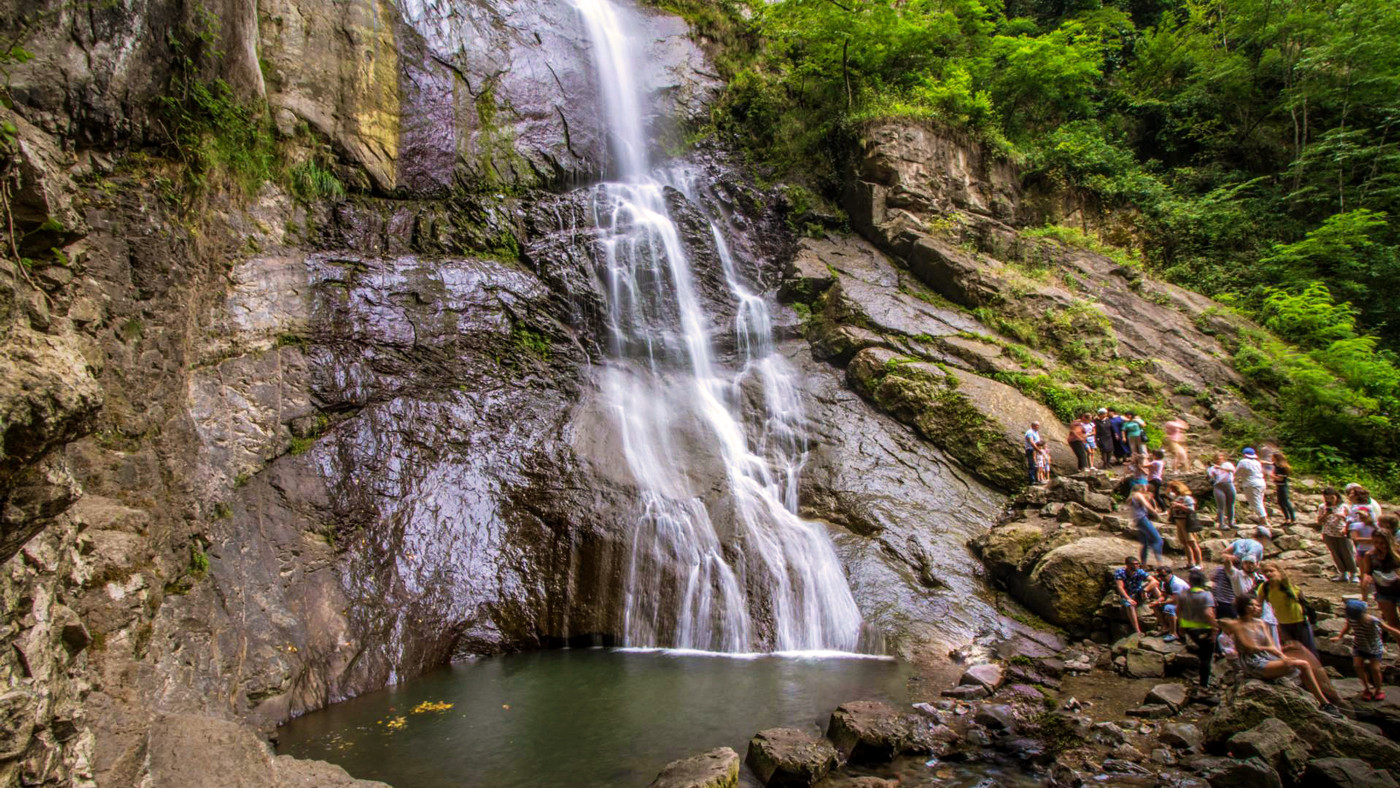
[{"x": 1249, "y": 478}]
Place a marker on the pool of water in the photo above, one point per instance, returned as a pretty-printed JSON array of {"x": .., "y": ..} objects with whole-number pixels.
[{"x": 581, "y": 717}]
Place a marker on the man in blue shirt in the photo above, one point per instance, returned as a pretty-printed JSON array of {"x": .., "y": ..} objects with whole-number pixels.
[
  {"x": 1032, "y": 439},
  {"x": 1133, "y": 584},
  {"x": 1250, "y": 549}
]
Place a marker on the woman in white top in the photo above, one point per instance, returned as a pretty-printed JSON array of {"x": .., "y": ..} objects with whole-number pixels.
[{"x": 1222, "y": 480}]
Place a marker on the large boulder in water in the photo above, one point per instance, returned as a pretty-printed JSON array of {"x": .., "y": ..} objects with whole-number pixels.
[
  {"x": 977, "y": 420},
  {"x": 717, "y": 768},
  {"x": 790, "y": 758},
  {"x": 1325, "y": 736}
]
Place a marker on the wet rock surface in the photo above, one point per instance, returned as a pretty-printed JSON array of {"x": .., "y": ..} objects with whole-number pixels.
[
  {"x": 717, "y": 768},
  {"x": 790, "y": 758}
]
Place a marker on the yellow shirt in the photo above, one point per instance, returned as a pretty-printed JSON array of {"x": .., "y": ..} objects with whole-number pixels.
[{"x": 1287, "y": 609}]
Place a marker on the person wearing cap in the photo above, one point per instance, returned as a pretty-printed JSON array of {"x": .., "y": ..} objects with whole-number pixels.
[
  {"x": 1249, "y": 478},
  {"x": 1133, "y": 584},
  {"x": 1251, "y": 549},
  {"x": 1366, "y": 647},
  {"x": 1032, "y": 441}
]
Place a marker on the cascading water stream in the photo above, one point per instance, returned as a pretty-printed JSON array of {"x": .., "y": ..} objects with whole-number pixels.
[{"x": 719, "y": 559}]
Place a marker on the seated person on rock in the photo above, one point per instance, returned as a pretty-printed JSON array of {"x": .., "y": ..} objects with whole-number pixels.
[
  {"x": 1260, "y": 656},
  {"x": 1163, "y": 603},
  {"x": 1134, "y": 586}
]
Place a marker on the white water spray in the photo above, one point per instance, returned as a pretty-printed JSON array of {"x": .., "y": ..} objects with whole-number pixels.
[{"x": 720, "y": 564}]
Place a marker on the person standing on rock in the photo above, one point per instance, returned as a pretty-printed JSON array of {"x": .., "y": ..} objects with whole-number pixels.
[
  {"x": 1156, "y": 467},
  {"x": 1249, "y": 478},
  {"x": 1134, "y": 431},
  {"x": 1077, "y": 441},
  {"x": 1225, "y": 584},
  {"x": 1120, "y": 443},
  {"x": 1042, "y": 462},
  {"x": 1286, "y": 599},
  {"x": 1380, "y": 572},
  {"x": 1174, "y": 442},
  {"x": 1367, "y": 649},
  {"x": 1222, "y": 479},
  {"x": 1261, "y": 658},
  {"x": 1032, "y": 441},
  {"x": 1281, "y": 473},
  {"x": 1195, "y": 618},
  {"x": 1183, "y": 516},
  {"x": 1332, "y": 520},
  {"x": 1132, "y": 581},
  {"x": 1143, "y": 508},
  {"x": 1360, "y": 527},
  {"x": 1103, "y": 435}
]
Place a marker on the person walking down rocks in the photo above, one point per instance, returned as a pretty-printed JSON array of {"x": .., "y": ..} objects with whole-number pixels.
[
  {"x": 1143, "y": 508},
  {"x": 1132, "y": 582},
  {"x": 1195, "y": 618},
  {"x": 1332, "y": 520},
  {"x": 1134, "y": 431},
  {"x": 1174, "y": 442},
  {"x": 1222, "y": 479},
  {"x": 1380, "y": 572},
  {"x": 1261, "y": 659},
  {"x": 1367, "y": 649},
  {"x": 1281, "y": 473},
  {"x": 1032, "y": 441},
  {"x": 1183, "y": 516},
  {"x": 1078, "y": 441},
  {"x": 1249, "y": 478},
  {"x": 1156, "y": 468}
]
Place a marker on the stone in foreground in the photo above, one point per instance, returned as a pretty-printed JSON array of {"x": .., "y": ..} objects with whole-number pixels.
[
  {"x": 790, "y": 758},
  {"x": 1172, "y": 695},
  {"x": 717, "y": 768},
  {"x": 871, "y": 732},
  {"x": 1345, "y": 773}
]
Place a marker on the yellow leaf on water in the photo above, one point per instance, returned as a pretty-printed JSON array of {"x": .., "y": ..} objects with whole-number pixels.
[{"x": 429, "y": 705}]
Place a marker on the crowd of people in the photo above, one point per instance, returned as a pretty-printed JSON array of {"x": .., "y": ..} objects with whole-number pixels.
[{"x": 1246, "y": 608}]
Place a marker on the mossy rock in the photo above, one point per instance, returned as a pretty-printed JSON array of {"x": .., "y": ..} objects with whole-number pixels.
[{"x": 978, "y": 421}]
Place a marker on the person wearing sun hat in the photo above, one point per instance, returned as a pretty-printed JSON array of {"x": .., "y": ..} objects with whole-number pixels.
[
  {"x": 1366, "y": 647},
  {"x": 1249, "y": 478}
]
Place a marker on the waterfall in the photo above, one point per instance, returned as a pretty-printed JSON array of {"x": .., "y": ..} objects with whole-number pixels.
[{"x": 719, "y": 559}]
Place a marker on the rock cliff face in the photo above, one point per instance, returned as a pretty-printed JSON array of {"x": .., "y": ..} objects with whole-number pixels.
[{"x": 261, "y": 455}]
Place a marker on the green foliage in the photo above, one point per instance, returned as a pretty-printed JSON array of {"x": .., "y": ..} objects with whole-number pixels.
[
  {"x": 199, "y": 562},
  {"x": 532, "y": 342},
  {"x": 311, "y": 182}
]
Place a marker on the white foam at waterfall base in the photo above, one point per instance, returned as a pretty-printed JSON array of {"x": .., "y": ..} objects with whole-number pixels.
[{"x": 719, "y": 559}]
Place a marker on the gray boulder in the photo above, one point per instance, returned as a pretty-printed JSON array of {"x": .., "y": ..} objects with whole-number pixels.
[
  {"x": 718, "y": 768},
  {"x": 872, "y": 732},
  {"x": 1345, "y": 773},
  {"x": 790, "y": 758},
  {"x": 1274, "y": 743}
]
